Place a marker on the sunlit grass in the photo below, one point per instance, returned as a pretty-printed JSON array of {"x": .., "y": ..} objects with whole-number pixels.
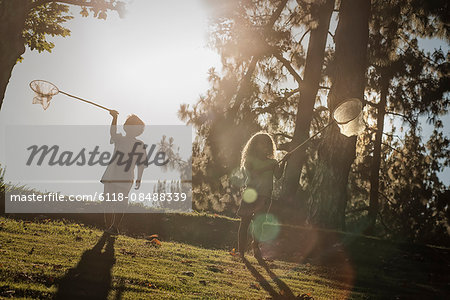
[{"x": 35, "y": 255}]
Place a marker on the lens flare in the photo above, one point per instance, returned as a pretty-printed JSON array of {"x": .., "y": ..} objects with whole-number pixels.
[
  {"x": 249, "y": 195},
  {"x": 270, "y": 227}
]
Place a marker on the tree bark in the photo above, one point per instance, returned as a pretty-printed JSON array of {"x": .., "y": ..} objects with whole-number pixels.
[
  {"x": 12, "y": 17},
  {"x": 337, "y": 152},
  {"x": 375, "y": 169},
  {"x": 308, "y": 92}
]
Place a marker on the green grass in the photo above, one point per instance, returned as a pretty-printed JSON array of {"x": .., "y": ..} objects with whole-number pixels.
[{"x": 47, "y": 258}]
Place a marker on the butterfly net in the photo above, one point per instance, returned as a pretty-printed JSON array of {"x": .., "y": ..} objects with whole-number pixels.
[
  {"x": 44, "y": 91},
  {"x": 349, "y": 117}
]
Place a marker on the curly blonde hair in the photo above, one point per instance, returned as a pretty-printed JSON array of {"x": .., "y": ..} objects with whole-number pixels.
[{"x": 260, "y": 138}]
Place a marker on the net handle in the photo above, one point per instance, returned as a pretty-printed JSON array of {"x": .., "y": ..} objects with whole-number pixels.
[
  {"x": 87, "y": 101},
  {"x": 306, "y": 141}
]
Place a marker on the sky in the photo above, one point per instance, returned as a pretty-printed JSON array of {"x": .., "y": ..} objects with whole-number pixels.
[{"x": 147, "y": 63}]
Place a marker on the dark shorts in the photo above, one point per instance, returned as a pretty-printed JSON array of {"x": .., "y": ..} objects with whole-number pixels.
[{"x": 260, "y": 205}]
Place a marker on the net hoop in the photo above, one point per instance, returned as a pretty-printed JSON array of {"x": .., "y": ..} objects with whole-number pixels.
[
  {"x": 347, "y": 111},
  {"x": 44, "y": 88}
]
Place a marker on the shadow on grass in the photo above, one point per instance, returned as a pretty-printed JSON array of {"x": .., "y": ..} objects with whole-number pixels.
[
  {"x": 285, "y": 291},
  {"x": 91, "y": 277}
]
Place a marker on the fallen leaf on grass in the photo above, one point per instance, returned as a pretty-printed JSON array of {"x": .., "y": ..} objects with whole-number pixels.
[
  {"x": 306, "y": 296},
  {"x": 154, "y": 242},
  {"x": 254, "y": 286}
]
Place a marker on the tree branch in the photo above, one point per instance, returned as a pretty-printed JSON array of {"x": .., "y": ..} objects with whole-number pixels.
[
  {"x": 303, "y": 36},
  {"x": 332, "y": 35},
  {"x": 418, "y": 51},
  {"x": 289, "y": 67},
  {"x": 403, "y": 116},
  {"x": 276, "y": 14},
  {"x": 398, "y": 151},
  {"x": 289, "y": 94},
  {"x": 254, "y": 60},
  {"x": 287, "y": 112},
  {"x": 385, "y": 197},
  {"x": 394, "y": 136},
  {"x": 283, "y": 135},
  {"x": 107, "y": 5}
]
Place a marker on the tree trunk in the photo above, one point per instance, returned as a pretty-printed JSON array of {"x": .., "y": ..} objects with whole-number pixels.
[
  {"x": 375, "y": 169},
  {"x": 12, "y": 17},
  {"x": 306, "y": 101},
  {"x": 337, "y": 152}
]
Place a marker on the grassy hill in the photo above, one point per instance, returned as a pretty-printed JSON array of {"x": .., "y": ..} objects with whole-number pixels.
[{"x": 51, "y": 258}]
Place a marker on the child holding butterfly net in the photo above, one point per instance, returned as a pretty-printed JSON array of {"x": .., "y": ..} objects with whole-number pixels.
[
  {"x": 119, "y": 176},
  {"x": 259, "y": 164}
]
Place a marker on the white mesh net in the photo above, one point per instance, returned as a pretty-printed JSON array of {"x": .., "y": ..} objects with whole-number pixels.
[
  {"x": 44, "y": 92},
  {"x": 348, "y": 115},
  {"x": 42, "y": 100}
]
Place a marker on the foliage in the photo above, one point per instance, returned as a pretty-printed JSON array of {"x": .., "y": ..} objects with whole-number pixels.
[
  {"x": 43, "y": 21},
  {"x": 411, "y": 193},
  {"x": 415, "y": 200},
  {"x": 262, "y": 56},
  {"x": 248, "y": 96},
  {"x": 47, "y": 19}
]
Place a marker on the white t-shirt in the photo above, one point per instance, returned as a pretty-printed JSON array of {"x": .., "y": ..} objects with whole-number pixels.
[{"x": 121, "y": 166}]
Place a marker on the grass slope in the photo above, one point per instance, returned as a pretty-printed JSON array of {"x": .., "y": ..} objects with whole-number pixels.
[{"x": 65, "y": 260}]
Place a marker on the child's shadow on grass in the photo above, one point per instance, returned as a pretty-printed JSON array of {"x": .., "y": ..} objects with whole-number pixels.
[
  {"x": 285, "y": 291},
  {"x": 91, "y": 277}
]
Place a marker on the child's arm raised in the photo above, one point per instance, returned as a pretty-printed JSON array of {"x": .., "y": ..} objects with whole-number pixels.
[{"x": 113, "y": 128}]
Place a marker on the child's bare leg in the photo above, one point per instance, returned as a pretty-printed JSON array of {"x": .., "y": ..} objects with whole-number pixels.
[
  {"x": 242, "y": 234},
  {"x": 117, "y": 220},
  {"x": 109, "y": 219},
  {"x": 257, "y": 230}
]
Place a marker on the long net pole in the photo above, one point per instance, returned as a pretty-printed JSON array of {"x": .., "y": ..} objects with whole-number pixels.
[{"x": 84, "y": 100}]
